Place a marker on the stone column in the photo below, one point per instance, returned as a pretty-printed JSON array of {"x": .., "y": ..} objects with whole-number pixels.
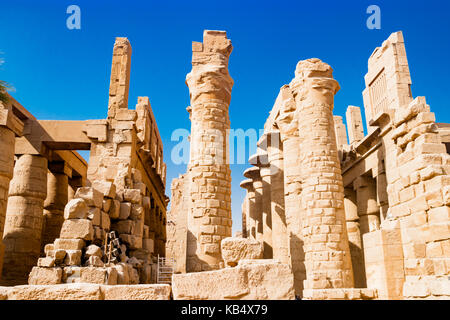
[
  {"x": 256, "y": 216},
  {"x": 280, "y": 236},
  {"x": 288, "y": 125},
  {"x": 23, "y": 225},
  {"x": 368, "y": 209},
  {"x": 210, "y": 90},
  {"x": 354, "y": 238},
  {"x": 248, "y": 203},
  {"x": 354, "y": 124},
  {"x": 327, "y": 254},
  {"x": 120, "y": 76},
  {"x": 57, "y": 197},
  {"x": 7, "y": 142},
  {"x": 260, "y": 160}
]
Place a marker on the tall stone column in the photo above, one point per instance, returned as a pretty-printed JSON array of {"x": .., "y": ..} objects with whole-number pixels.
[
  {"x": 354, "y": 238},
  {"x": 249, "y": 221},
  {"x": 210, "y": 90},
  {"x": 287, "y": 123},
  {"x": 57, "y": 197},
  {"x": 24, "y": 216},
  {"x": 256, "y": 216},
  {"x": 7, "y": 142},
  {"x": 368, "y": 209},
  {"x": 327, "y": 254},
  {"x": 261, "y": 161},
  {"x": 280, "y": 237}
]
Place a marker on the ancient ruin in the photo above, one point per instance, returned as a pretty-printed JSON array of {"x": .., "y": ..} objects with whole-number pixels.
[{"x": 325, "y": 217}]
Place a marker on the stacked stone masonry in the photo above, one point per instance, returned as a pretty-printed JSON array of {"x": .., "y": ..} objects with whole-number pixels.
[{"x": 329, "y": 212}]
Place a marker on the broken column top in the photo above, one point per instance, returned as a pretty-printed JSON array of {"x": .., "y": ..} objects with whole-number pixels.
[
  {"x": 213, "y": 41},
  {"x": 313, "y": 68}
]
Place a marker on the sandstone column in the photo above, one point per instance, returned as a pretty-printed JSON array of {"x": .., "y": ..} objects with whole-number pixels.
[
  {"x": 256, "y": 216},
  {"x": 120, "y": 76},
  {"x": 7, "y": 142},
  {"x": 280, "y": 236},
  {"x": 249, "y": 221},
  {"x": 210, "y": 90},
  {"x": 288, "y": 125},
  {"x": 23, "y": 225},
  {"x": 354, "y": 238},
  {"x": 327, "y": 254},
  {"x": 368, "y": 209},
  {"x": 260, "y": 160},
  {"x": 57, "y": 197}
]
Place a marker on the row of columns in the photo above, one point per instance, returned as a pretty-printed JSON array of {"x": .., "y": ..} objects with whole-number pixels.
[
  {"x": 301, "y": 181},
  {"x": 33, "y": 212}
]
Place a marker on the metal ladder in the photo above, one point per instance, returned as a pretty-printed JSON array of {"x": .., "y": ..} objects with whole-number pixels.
[{"x": 166, "y": 267}]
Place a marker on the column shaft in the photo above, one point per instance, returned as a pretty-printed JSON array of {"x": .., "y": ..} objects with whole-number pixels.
[{"x": 23, "y": 225}]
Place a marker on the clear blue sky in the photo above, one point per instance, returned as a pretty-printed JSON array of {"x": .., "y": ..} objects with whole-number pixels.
[{"x": 64, "y": 74}]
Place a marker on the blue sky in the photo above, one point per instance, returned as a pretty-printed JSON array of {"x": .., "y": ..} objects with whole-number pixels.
[{"x": 59, "y": 73}]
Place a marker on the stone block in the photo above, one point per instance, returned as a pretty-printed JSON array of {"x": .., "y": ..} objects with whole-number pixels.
[
  {"x": 40, "y": 276},
  {"x": 125, "y": 210},
  {"x": 91, "y": 196},
  {"x": 73, "y": 258},
  {"x": 69, "y": 244},
  {"x": 46, "y": 262},
  {"x": 114, "y": 211},
  {"x": 263, "y": 279},
  {"x": 94, "y": 275},
  {"x": 93, "y": 250},
  {"x": 124, "y": 226},
  {"x": 137, "y": 292},
  {"x": 105, "y": 221},
  {"x": 73, "y": 291},
  {"x": 132, "y": 195},
  {"x": 106, "y": 205},
  {"x": 76, "y": 209},
  {"x": 236, "y": 249},
  {"x": 107, "y": 188},
  {"x": 77, "y": 229},
  {"x": 95, "y": 216}
]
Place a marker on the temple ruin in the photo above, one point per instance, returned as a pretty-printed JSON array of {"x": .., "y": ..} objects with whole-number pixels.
[{"x": 330, "y": 213}]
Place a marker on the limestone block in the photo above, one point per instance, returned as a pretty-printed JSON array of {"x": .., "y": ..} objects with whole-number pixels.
[
  {"x": 91, "y": 196},
  {"x": 251, "y": 279},
  {"x": 46, "y": 262},
  {"x": 95, "y": 261},
  {"x": 108, "y": 188},
  {"x": 105, "y": 221},
  {"x": 94, "y": 275},
  {"x": 39, "y": 276},
  {"x": 69, "y": 244},
  {"x": 137, "y": 292},
  {"x": 77, "y": 229},
  {"x": 73, "y": 291},
  {"x": 106, "y": 205},
  {"x": 93, "y": 250},
  {"x": 124, "y": 226},
  {"x": 236, "y": 249},
  {"x": 76, "y": 209},
  {"x": 132, "y": 195},
  {"x": 73, "y": 258},
  {"x": 137, "y": 212},
  {"x": 95, "y": 216},
  {"x": 125, "y": 210},
  {"x": 122, "y": 273},
  {"x": 114, "y": 211},
  {"x": 132, "y": 241},
  {"x": 136, "y": 175},
  {"x": 140, "y": 186}
]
